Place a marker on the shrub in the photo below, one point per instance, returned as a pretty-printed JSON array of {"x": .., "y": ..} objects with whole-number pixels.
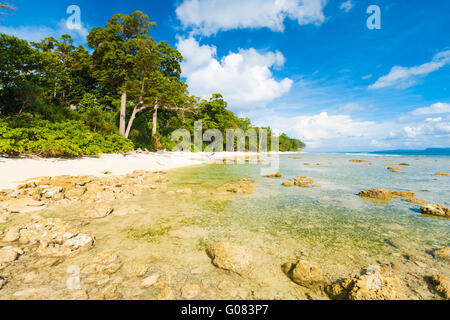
[{"x": 33, "y": 135}]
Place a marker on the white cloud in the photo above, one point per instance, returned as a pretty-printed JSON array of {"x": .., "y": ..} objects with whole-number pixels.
[
  {"x": 210, "y": 16},
  {"x": 244, "y": 78},
  {"x": 367, "y": 77},
  {"x": 37, "y": 33},
  {"x": 347, "y": 6},
  {"x": 403, "y": 77},
  {"x": 351, "y": 107},
  {"x": 435, "y": 108}
]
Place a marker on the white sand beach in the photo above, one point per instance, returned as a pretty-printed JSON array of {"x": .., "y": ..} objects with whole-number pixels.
[{"x": 13, "y": 171}]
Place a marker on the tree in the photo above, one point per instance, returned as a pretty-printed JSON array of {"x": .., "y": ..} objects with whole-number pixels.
[
  {"x": 19, "y": 74},
  {"x": 115, "y": 50}
]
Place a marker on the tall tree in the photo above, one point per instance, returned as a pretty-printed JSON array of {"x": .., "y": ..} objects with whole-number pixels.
[{"x": 115, "y": 50}]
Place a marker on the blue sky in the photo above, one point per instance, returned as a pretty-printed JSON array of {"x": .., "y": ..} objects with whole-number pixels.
[{"x": 310, "y": 68}]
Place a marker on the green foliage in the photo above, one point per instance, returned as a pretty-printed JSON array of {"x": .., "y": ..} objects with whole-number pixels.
[
  {"x": 57, "y": 99},
  {"x": 31, "y": 134}
]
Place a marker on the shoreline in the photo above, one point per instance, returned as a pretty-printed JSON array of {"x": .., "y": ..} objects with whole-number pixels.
[{"x": 13, "y": 171}]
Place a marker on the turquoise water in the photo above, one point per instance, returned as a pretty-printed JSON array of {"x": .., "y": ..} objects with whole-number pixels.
[{"x": 330, "y": 224}]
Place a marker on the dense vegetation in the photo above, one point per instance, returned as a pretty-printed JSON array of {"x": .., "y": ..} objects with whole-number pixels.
[{"x": 126, "y": 93}]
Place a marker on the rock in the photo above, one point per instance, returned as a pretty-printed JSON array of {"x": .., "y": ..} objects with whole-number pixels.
[
  {"x": 232, "y": 257},
  {"x": 128, "y": 210},
  {"x": 165, "y": 294},
  {"x": 395, "y": 169},
  {"x": 435, "y": 210},
  {"x": 416, "y": 201},
  {"x": 243, "y": 186},
  {"x": 320, "y": 164},
  {"x": 357, "y": 161},
  {"x": 106, "y": 262},
  {"x": 274, "y": 175},
  {"x": 9, "y": 254},
  {"x": 97, "y": 212},
  {"x": 374, "y": 283},
  {"x": 135, "y": 268},
  {"x": 377, "y": 195},
  {"x": 303, "y": 181},
  {"x": 190, "y": 291},
  {"x": 443, "y": 253},
  {"x": 442, "y": 285},
  {"x": 149, "y": 281},
  {"x": 305, "y": 273},
  {"x": 288, "y": 184},
  {"x": 316, "y": 186},
  {"x": 106, "y": 172},
  {"x": 442, "y": 174},
  {"x": 3, "y": 281},
  {"x": 403, "y": 164},
  {"x": 24, "y": 205},
  {"x": 402, "y": 194}
]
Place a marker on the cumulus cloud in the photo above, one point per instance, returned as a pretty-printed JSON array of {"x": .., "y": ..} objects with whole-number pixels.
[
  {"x": 347, "y": 6},
  {"x": 403, "y": 77},
  {"x": 244, "y": 78},
  {"x": 435, "y": 108},
  {"x": 210, "y": 16},
  {"x": 352, "y": 107},
  {"x": 37, "y": 33}
]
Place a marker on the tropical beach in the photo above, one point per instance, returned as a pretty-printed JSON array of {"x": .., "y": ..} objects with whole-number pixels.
[{"x": 215, "y": 150}]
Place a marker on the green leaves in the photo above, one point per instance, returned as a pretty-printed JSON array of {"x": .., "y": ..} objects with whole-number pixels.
[{"x": 68, "y": 138}]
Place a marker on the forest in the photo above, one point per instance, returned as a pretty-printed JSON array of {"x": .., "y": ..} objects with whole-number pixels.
[{"x": 125, "y": 91}]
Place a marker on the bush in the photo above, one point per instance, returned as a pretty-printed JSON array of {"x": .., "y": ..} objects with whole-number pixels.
[{"x": 33, "y": 135}]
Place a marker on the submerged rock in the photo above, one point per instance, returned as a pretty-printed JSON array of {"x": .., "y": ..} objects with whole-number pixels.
[
  {"x": 305, "y": 273},
  {"x": 288, "y": 184},
  {"x": 395, "y": 169},
  {"x": 232, "y": 257},
  {"x": 374, "y": 283},
  {"x": 274, "y": 175},
  {"x": 443, "y": 253},
  {"x": 379, "y": 195},
  {"x": 303, "y": 181},
  {"x": 403, "y": 194},
  {"x": 442, "y": 285},
  {"x": 357, "y": 161},
  {"x": 435, "y": 210},
  {"x": 96, "y": 212},
  {"x": 243, "y": 186},
  {"x": 442, "y": 174},
  {"x": 416, "y": 201}
]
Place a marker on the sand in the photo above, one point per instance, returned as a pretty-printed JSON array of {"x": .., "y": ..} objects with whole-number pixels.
[{"x": 13, "y": 171}]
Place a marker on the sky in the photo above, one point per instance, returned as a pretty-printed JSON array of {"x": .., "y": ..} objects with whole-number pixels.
[{"x": 310, "y": 68}]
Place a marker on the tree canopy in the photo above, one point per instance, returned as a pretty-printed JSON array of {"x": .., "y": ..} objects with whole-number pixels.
[{"x": 127, "y": 92}]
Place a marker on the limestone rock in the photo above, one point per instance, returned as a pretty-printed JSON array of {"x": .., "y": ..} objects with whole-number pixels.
[
  {"x": 303, "y": 181},
  {"x": 9, "y": 254},
  {"x": 305, "y": 273},
  {"x": 135, "y": 268},
  {"x": 403, "y": 194},
  {"x": 288, "y": 184},
  {"x": 190, "y": 291},
  {"x": 3, "y": 281},
  {"x": 232, "y": 257},
  {"x": 150, "y": 280},
  {"x": 442, "y": 174},
  {"x": 435, "y": 210},
  {"x": 416, "y": 201},
  {"x": 442, "y": 285},
  {"x": 443, "y": 253},
  {"x": 274, "y": 175},
  {"x": 395, "y": 169},
  {"x": 97, "y": 212},
  {"x": 375, "y": 283},
  {"x": 378, "y": 195}
]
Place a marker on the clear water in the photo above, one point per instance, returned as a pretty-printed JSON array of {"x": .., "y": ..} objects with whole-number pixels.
[{"x": 329, "y": 225}]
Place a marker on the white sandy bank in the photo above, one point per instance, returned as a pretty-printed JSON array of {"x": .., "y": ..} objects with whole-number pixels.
[{"x": 14, "y": 171}]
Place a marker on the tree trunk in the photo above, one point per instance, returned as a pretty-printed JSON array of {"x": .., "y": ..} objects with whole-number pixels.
[
  {"x": 130, "y": 122},
  {"x": 155, "y": 120},
  {"x": 123, "y": 112}
]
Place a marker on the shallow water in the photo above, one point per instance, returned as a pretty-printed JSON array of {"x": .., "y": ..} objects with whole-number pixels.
[{"x": 329, "y": 225}]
